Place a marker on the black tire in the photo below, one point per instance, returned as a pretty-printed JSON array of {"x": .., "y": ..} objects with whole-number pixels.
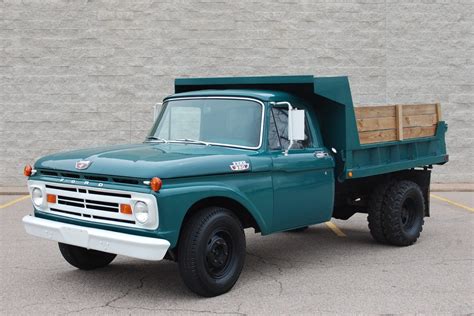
[
  {"x": 211, "y": 251},
  {"x": 403, "y": 216},
  {"x": 85, "y": 259},
  {"x": 298, "y": 230},
  {"x": 375, "y": 212}
]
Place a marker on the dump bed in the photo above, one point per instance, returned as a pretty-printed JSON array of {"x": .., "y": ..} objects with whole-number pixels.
[{"x": 381, "y": 139}]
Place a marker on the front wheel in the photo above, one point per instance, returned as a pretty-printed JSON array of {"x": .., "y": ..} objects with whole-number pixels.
[
  {"x": 85, "y": 259},
  {"x": 211, "y": 251}
]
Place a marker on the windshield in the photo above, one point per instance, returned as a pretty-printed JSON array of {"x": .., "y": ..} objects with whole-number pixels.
[{"x": 227, "y": 122}]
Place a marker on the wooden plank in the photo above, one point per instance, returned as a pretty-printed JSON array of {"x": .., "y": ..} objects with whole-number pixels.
[
  {"x": 419, "y": 109},
  {"x": 389, "y": 110},
  {"x": 378, "y": 136},
  {"x": 419, "y": 131},
  {"x": 387, "y": 135},
  {"x": 438, "y": 111},
  {"x": 419, "y": 120},
  {"x": 376, "y": 123},
  {"x": 362, "y": 112},
  {"x": 399, "y": 120}
]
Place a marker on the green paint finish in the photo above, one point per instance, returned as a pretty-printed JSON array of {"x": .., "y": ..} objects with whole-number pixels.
[
  {"x": 251, "y": 190},
  {"x": 369, "y": 160},
  {"x": 259, "y": 94},
  {"x": 303, "y": 189},
  {"x": 148, "y": 160},
  {"x": 280, "y": 192}
]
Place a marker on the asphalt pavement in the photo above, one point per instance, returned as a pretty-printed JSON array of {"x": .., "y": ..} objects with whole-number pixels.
[{"x": 327, "y": 269}]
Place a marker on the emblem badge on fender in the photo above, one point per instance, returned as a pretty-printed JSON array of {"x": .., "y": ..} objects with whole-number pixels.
[
  {"x": 83, "y": 164},
  {"x": 239, "y": 165}
]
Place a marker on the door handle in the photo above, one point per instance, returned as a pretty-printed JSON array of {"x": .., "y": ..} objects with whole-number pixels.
[{"x": 321, "y": 154}]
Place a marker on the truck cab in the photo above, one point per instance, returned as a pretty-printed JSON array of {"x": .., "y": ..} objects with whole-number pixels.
[{"x": 224, "y": 154}]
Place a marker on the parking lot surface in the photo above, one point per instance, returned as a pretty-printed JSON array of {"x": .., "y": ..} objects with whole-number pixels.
[{"x": 327, "y": 269}]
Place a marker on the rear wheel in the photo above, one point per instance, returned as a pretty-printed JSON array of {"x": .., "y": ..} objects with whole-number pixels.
[
  {"x": 403, "y": 215},
  {"x": 85, "y": 259},
  {"x": 375, "y": 212},
  {"x": 211, "y": 251}
]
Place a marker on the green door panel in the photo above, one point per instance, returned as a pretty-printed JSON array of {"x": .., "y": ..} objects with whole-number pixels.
[{"x": 303, "y": 188}]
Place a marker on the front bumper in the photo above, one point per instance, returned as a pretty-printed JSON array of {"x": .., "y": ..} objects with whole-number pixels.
[{"x": 146, "y": 248}]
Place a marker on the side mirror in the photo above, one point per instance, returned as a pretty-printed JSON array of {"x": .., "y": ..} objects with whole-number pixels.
[
  {"x": 156, "y": 110},
  {"x": 296, "y": 126},
  {"x": 296, "y": 121}
]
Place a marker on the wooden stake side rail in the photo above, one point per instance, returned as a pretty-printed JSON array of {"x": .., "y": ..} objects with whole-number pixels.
[{"x": 377, "y": 124}]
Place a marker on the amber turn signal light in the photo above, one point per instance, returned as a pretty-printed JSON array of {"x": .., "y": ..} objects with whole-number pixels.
[
  {"x": 126, "y": 209},
  {"x": 51, "y": 198},
  {"x": 27, "y": 171},
  {"x": 349, "y": 174},
  {"x": 156, "y": 184}
]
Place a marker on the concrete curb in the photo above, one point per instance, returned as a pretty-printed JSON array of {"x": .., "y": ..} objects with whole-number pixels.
[{"x": 452, "y": 187}]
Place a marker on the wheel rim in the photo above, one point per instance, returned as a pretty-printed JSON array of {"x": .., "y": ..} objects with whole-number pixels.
[
  {"x": 218, "y": 253},
  {"x": 409, "y": 214}
]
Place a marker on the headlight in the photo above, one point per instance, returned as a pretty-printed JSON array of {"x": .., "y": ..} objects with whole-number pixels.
[
  {"x": 140, "y": 210},
  {"x": 37, "y": 197}
]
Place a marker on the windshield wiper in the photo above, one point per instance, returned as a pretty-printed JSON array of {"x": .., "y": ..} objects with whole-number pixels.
[
  {"x": 156, "y": 138},
  {"x": 189, "y": 140}
]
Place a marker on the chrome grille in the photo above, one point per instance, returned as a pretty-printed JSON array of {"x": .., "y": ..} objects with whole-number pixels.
[
  {"x": 96, "y": 204},
  {"x": 90, "y": 203}
]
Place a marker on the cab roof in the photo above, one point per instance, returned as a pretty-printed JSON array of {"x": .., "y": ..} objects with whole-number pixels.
[
  {"x": 262, "y": 95},
  {"x": 330, "y": 97}
]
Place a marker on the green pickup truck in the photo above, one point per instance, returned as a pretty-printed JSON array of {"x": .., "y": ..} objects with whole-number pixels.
[{"x": 224, "y": 154}]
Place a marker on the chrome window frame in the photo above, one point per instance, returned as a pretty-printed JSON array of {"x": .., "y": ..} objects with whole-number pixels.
[{"x": 262, "y": 123}]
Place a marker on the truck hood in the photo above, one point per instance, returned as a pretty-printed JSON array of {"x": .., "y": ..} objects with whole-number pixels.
[{"x": 150, "y": 160}]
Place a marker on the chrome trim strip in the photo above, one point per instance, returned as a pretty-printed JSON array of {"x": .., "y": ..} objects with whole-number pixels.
[{"x": 228, "y": 98}]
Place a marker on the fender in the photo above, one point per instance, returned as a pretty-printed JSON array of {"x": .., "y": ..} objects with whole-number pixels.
[{"x": 174, "y": 203}]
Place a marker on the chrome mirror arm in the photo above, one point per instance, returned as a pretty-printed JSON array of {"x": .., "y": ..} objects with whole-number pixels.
[{"x": 290, "y": 128}]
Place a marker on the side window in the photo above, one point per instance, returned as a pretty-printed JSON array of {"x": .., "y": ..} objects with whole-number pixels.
[{"x": 278, "y": 133}]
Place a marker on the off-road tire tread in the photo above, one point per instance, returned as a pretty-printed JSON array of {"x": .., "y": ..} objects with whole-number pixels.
[
  {"x": 187, "y": 251},
  {"x": 375, "y": 212},
  {"x": 391, "y": 217}
]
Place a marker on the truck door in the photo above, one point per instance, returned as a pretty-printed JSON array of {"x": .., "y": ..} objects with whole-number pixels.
[{"x": 303, "y": 180}]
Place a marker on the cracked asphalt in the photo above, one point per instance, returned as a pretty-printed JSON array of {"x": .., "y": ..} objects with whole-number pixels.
[{"x": 314, "y": 272}]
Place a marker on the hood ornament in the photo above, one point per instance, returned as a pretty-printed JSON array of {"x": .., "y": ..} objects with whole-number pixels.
[{"x": 83, "y": 164}]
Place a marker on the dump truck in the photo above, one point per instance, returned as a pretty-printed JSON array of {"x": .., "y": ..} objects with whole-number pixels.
[{"x": 276, "y": 154}]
